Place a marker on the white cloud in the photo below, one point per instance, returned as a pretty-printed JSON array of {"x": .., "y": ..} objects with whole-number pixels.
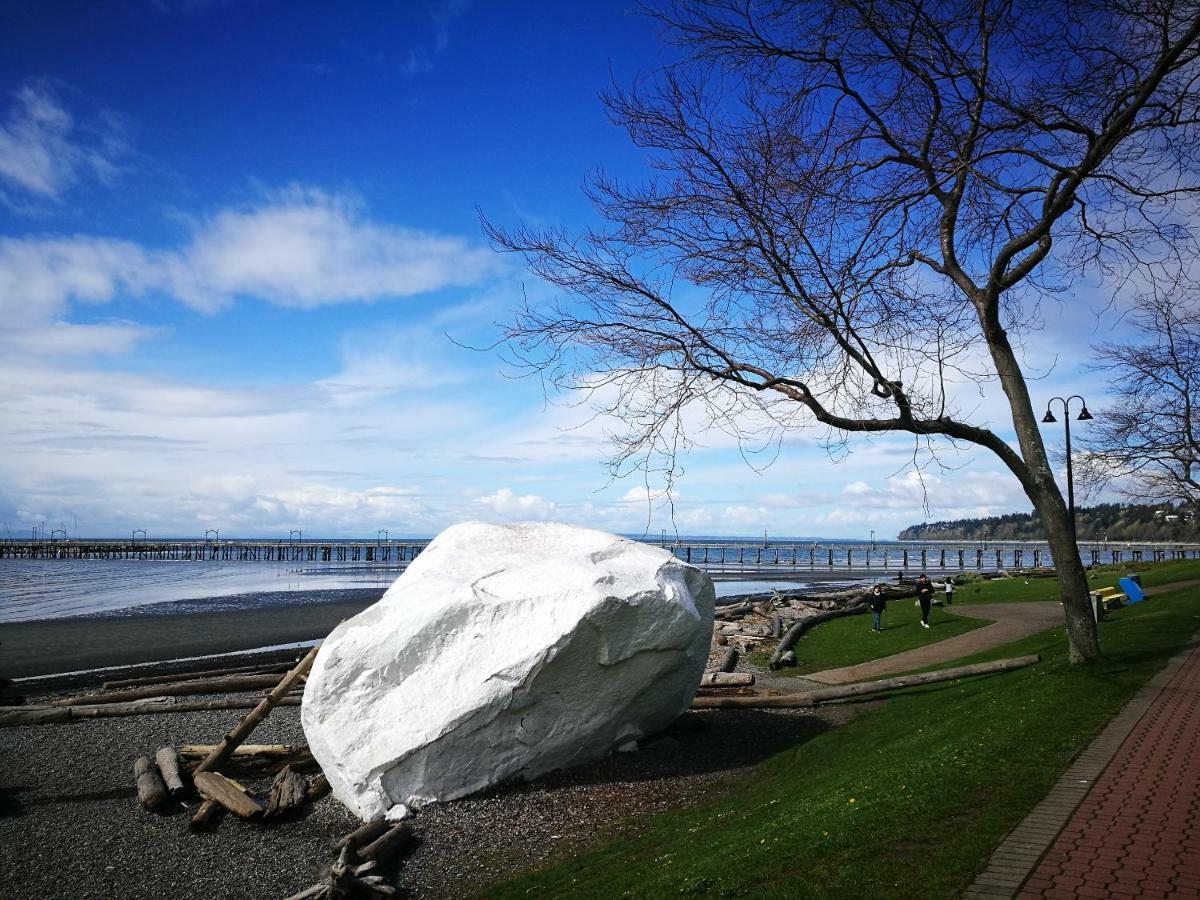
[
  {"x": 980, "y": 493},
  {"x": 302, "y": 248},
  {"x": 506, "y": 505},
  {"x": 44, "y": 152},
  {"x": 307, "y": 248}
]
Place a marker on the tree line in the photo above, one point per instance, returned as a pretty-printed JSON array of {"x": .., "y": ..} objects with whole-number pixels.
[{"x": 1105, "y": 521}]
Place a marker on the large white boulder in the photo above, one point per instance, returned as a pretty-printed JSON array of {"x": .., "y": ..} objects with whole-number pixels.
[{"x": 505, "y": 651}]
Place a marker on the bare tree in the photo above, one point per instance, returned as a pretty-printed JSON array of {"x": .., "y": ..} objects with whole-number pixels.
[
  {"x": 1148, "y": 439},
  {"x": 858, "y": 205}
]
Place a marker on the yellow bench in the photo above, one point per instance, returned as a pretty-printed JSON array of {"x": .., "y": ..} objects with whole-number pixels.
[{"x": 1107, "y": 598}]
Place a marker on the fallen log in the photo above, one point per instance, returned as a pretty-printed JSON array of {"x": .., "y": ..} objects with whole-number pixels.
[
  {"x": 363, "y": 834},
  {"x": 288, "y": 791},
  {"x": 47, "y": 715},
  {"x": 842, "y": 692},
  {"x": 727, "y": 679},
  {"x": 256, "y": 715},
  {"x": 280, "y": 752},
  {"x": 729, "y": 660},
  {"x": 252, "y": 757},
  {"x": 231, "y": 795},
  {"x": 259, "y": 669},
  {"x": 168, "y": 764},
  {"x": 797, "y": 630},
  {"x": 225, "y": 685},
  {"x": 387, "y": 843},
  {"x": 151, "y": 791},
  {"x": 776, "y": 626}
]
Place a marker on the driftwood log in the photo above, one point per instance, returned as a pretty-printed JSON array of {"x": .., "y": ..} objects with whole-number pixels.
[
  {"x": 727, "y": 679},
  {"x": 206, "y": 815},
  {"x": 842, "y": 692},
  {"x": 256, "y": 715},
  {"x": 317, "y": 788},
  {"x": 363, "y": 834},
  {"x": 729, "y": 661},
  {"x": 386, "y": 845},
  {"x": 227, "y": 792},
  {"x": 288, "y": 790},
  {"x": 168, "y": 764},
  {"x": 343, "y": 880},
  {"x": 151, "y": 791},
  {"x": 223, "y": 685},
  {"x": 259, "y": 669},
  {"x": 797, "y": 630},
  {"x": 44, "y": 715},
  {"x": 252, "y": 758}
]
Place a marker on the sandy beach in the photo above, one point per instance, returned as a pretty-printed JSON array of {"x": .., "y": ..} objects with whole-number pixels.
[{"x": 71, "y": 827}]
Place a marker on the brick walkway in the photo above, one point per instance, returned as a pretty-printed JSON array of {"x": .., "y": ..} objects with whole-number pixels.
[{"x": 1124, "y": 821}]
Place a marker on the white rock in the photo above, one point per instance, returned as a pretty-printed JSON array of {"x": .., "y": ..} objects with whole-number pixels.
[{"x": 501, "y": 652}]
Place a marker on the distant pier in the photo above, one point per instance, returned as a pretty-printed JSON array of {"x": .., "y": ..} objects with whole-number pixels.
[{"x": 720, "y": 558}]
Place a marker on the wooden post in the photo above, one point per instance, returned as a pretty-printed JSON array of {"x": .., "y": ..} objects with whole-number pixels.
[{"x": 256, "y": 715}]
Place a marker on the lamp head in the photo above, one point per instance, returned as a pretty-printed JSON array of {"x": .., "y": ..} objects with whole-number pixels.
[
  {"x": 1049, "y": 416},
  {"x": 1085, "y": 416}
]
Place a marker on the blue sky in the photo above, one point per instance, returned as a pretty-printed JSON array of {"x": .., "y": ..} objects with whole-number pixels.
[{"x": 236, "y": 240}]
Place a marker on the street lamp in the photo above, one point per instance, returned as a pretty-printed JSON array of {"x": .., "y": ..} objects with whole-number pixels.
[{"x": 1084, "y": 416}]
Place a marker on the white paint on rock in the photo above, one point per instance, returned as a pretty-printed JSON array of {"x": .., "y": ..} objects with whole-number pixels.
[{"x": 505, "y": 651}]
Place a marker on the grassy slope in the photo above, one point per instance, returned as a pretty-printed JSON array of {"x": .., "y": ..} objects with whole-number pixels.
[
  {"x": 906, "y": 800},
  {"x": 848, "y": 641}
]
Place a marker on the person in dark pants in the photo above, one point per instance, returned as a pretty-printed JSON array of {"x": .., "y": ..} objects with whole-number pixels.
[
  {"x": 925, "y": 598},
  {"x": 877, "y": 601}
]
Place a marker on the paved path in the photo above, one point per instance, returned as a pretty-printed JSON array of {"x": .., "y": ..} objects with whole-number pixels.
[
  {"x": 1010, "y": 622},
  {"x": 1124, "y": 820}
]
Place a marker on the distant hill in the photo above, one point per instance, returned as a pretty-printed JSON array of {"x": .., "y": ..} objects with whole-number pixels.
[{"x": 1111, "y": 521}]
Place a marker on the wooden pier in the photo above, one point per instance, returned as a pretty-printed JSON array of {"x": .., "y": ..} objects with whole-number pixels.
[
  {"x": 724, "y": 558},
  {"x": 226, "y": 551}
]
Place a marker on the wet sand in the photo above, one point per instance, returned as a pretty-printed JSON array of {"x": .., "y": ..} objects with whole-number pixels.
[{"x": 50, "y": 646}]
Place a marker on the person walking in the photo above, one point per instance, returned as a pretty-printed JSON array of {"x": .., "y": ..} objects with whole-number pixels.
[
  {"x": 925, "y": 598},
  {"x": 949, "y": 589},
  {"x": 878, "y": 603}
]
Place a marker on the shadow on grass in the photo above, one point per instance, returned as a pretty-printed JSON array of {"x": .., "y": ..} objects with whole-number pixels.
[{"x": 700, "y": 742}]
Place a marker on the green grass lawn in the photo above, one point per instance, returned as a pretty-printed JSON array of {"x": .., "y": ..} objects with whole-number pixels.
[
  {"x": 907, "y": 800},
  {"x": 849, "y": 641}
]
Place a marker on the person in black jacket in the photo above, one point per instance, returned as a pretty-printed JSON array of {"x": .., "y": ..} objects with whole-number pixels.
[
  {"x": 925, "y": 598},
  {"x": 877, "y": 601}
]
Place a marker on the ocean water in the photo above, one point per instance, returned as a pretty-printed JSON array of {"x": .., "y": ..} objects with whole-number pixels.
[
  {"x": 62, "y": 588},
  {"x": 59, "y": 588}
]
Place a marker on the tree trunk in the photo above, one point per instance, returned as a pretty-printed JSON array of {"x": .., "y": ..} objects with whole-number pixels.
[
  {"x": 1083, "y": 642},
  {"x": 1037, "y": 479}
]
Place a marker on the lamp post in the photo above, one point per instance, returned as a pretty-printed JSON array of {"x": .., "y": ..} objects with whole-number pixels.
[{"x": 1084, "y": 416}]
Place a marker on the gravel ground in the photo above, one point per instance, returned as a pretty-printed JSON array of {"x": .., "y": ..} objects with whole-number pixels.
[{"x": 70, "y": 825}]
